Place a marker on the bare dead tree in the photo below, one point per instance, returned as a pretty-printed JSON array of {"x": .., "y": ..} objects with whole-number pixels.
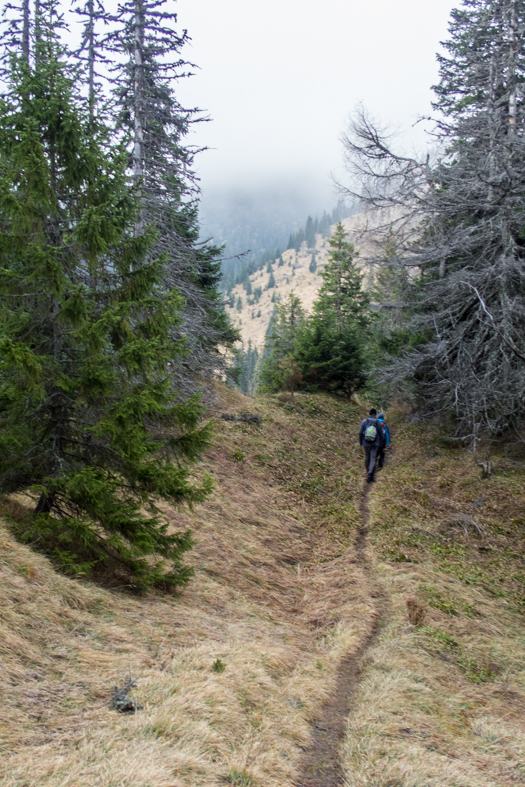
[{"x": 458, "y": 219}]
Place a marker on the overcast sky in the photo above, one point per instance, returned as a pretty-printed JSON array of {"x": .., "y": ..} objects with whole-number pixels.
[{"x": 279, "y": 78}]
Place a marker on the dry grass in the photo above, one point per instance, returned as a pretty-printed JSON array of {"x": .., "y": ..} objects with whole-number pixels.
[
  {"x": 443, "y": 703},
  {"x": 277, "y": 597}
]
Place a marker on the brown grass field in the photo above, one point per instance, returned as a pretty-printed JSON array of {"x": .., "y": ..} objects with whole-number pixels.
[{"x": 281, "y": 599}]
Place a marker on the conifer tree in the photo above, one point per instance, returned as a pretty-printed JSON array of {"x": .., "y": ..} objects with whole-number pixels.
[
  {"x": 280, "y": 344},
  {"x": 299, "y": 240},
  {"x": 309, "y": 233},
  {"x": 146, "y": 47},
  {"x": 324, "y": 225},
  {"x": 331, "y": 346},
  {"x": 248, "y": 361},
  {"x": 89, "y": 417},
  {"x": 332, "y": 358},
  {"x": 271, "y": 282},
  {"x": 342, "y": 291}
]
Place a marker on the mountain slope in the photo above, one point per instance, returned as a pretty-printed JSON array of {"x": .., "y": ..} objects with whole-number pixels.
[
  {"x": 286, "y": 591},
  {"x": 295, "y": 275}
]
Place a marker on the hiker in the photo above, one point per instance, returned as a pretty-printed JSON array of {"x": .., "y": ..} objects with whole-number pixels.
[
  {"x": 371, "y": 437},
  {"x": 386, "y": 442}
]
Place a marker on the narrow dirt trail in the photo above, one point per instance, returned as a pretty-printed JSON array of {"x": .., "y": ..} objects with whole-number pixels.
[{"x": 321, "y": 764}]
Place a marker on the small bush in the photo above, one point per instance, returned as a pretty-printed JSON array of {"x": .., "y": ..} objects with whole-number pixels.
[
  {"x": 218, "y": 665},
  {"x": 240, "y": 779}
]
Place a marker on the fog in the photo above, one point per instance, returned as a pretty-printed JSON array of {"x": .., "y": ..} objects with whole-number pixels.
[{"x": 279, "y": 78}]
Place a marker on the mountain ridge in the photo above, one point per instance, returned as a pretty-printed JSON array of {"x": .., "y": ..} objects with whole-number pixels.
[{"x": 294, "y": 275}]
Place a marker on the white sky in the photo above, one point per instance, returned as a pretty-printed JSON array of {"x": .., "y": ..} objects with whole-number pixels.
[{"x": 279, "y": 78}]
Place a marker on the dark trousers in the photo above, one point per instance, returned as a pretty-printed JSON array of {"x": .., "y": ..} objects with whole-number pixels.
[
  {"x": 381, "y": 458},
  {"x": 370, "y": 458}
]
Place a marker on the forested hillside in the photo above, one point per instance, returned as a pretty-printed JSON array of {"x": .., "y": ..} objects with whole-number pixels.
[{"x": 297, "y": 269}]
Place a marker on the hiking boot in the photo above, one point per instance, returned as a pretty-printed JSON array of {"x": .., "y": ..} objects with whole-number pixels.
[{"x": 371, "y": 479}]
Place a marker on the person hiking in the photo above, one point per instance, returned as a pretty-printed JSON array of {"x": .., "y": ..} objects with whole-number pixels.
[
  {"x": 385, "y": 444},
  {"x": 371, "y": 437}
]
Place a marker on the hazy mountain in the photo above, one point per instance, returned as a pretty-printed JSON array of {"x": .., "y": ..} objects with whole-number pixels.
[{"x": 253, "y": 221}]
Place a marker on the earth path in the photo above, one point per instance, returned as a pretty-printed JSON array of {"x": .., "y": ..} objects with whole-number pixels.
[{"x": 321, "y": 764}]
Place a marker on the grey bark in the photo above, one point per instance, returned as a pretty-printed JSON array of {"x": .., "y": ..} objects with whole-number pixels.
[{"x": 457, "y": 219}]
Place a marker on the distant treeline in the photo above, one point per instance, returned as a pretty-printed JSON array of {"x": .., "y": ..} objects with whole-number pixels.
[
  {"x": 267, "y": 258},
  {"x": 264, "y": 260},
  {"x": 318, "y": 226}
]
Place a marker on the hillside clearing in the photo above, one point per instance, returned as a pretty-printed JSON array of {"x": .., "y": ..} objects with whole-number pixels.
[{"x": 279, "y": 601}]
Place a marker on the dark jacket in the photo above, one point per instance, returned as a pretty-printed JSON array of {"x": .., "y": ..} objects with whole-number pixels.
[{"x": 380, "y": 436}]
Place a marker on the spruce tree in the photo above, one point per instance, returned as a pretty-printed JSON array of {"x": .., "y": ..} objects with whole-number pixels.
[
  {"x": 146, "y": 48},
  {"x": 342, "y": 291},
  {"x": 309, "y": 233},
  {"x": 331, "y": 346},
  {"x": 247, "y": 362},
  {"x": 331, "y": 357},
  {"x": 324, "y": 225},
  {"x": 299, "y": 240},
  {"x": 89, "y": 417},
  {"x": 280, "y": 344}
]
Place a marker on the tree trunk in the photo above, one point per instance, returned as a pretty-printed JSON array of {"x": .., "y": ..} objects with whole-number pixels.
[
  {"x": 139, "y": 90},
  {"x": 513, "y": 24},
  {"x": 138, "y": 83},
  {"x": 25, "y": 31},
  {"x": 91, "y": 59},
  {"x": 45, "y": 504},
  {"x": 38, "y": 31}
]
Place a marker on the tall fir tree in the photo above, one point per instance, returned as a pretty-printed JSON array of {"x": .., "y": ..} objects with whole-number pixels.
[
  {"x": 89, "y": 416},
  {"x": 309, "y": 233},
  {"x": 331, "y": 347},
  {"x": 147, "y": 48},
  {"x": 247, "y": 361},
  {"x": 342, "y": 288}
]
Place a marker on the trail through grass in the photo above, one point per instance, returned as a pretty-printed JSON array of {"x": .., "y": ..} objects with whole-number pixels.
[{"x": 234, "y": 672}]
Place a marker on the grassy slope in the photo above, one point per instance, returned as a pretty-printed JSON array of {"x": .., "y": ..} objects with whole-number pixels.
[
  {"x": 276, "y": 597},
  {"x": 443, "y": 702},
  {"x": 279, "y": 598}
]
